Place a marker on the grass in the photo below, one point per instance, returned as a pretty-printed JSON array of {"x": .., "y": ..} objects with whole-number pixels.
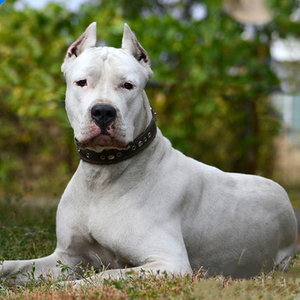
[{"x": 28, "y": 230}]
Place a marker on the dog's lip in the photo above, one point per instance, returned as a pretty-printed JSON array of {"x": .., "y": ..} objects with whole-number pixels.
[
  {"x": 106, "y": 142},
  {"x": 91, "y": 139},
  {"x": 77, "y": 142}
]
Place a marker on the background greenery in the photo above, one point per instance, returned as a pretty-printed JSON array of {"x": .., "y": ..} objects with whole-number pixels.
[{"x": 211, "y": 88}]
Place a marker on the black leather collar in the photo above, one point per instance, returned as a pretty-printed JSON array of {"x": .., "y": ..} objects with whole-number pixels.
[{"x": 113, "y": 156}]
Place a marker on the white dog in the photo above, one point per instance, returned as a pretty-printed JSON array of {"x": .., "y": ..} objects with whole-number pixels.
[{"x": 136, "y": 203}]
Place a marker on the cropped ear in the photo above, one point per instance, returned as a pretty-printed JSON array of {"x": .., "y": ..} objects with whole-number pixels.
[
  {"x": 87, "y": 40},
  {"x": 131, "y": 45}
]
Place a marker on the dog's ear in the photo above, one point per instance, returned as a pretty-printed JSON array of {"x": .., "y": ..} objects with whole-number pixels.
[
  {"x": 87, "y": 40},
  {"x": 131, "y": 44}
]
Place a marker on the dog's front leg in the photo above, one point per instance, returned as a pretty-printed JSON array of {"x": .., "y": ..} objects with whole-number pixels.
[
  {"x": 54, "y": 266},
  {"x": 154, "y": 268}
]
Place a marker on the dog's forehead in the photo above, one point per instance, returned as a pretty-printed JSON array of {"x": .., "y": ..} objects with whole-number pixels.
[
  {"x": 107, "y": 53},
  {"x": 97, "y": 59}
]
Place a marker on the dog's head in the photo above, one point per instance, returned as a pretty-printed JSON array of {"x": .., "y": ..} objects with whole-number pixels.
[{"x": 105, "y": 99}]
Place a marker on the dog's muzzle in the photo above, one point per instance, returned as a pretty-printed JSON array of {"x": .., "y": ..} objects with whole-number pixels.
[{"x": 113, "y": 156}]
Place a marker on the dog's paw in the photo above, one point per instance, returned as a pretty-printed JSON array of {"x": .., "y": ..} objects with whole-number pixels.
[
  {"x": 72, "y": 284},
  {"x": 76, "y": 284},
  {"x": 79, "y": 284}
]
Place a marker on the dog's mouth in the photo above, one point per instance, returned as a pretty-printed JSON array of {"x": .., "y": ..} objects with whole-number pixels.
[
  {"x": 114, "y": 150},
  {"x": 103, "y": 140}
]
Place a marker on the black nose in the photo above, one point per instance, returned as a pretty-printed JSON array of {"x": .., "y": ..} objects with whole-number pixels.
[{"x": 103, "y": 115}]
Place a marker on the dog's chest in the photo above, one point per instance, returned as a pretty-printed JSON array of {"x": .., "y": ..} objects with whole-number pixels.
[
  {"x": 105, "y": 236},
  {"x": 110, "y": 226},
  {"x": 118, "y": 232}
]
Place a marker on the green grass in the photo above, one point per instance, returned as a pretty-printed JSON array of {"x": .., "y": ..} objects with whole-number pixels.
[{"x": 28, "y": 230}]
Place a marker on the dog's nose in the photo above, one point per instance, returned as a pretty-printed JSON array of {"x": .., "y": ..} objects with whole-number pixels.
[{"x": 103, "y": 115}]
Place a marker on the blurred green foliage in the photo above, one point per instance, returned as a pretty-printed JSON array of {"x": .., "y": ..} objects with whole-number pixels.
[{"x": 210, "y": 90}]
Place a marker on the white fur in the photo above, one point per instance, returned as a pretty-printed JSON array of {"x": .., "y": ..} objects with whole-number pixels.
[{"x": 159, "y": 210}]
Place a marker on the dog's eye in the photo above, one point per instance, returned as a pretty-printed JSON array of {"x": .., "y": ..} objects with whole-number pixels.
[
  {"x": 81, "y": 83},
  {"x": 128, "y": 86}
]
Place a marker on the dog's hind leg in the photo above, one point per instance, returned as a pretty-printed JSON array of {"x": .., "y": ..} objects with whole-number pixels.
[{"x": 283, "y": 259}]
